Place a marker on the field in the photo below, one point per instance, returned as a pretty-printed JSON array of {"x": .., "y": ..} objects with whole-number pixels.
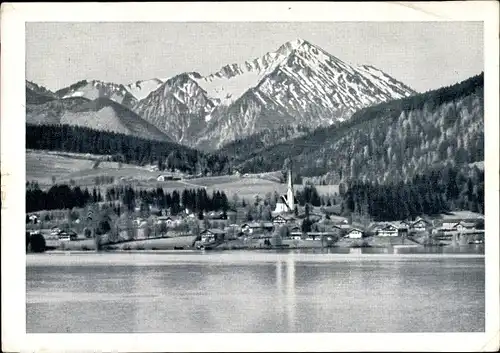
[{"x": 41, "y": 166}]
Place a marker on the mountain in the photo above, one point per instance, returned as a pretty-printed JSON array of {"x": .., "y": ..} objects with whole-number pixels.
[
  {"x": 298, "y": 84},
  {"x": 36, "y": 94},
  {"x": 95, "y": 89},
  {"x": 178, "y": 107},
  {"x": 141, "y": 89},
  {"x": 101, "y": 114},
  {"x": 49, "y": 111},
  {"x": 389, "y": 141}
]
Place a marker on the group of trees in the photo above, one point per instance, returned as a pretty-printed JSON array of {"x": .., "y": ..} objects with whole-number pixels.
[
  {"x": 439, "y": 191},
  {"x": 59, "y": 197},
  {"x": 125, "y": 148},
  {"x": 195, "y": 200},
  {"x": 308, "y": 195}
]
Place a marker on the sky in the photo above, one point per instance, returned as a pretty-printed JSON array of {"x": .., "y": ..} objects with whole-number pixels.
[{"x": 423, "y": 55}]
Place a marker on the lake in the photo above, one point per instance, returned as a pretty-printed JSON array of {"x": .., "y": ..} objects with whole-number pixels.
[{"x": 329, "y": 290}]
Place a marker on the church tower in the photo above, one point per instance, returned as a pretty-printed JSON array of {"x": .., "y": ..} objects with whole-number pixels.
[{"x": 290, "y": 196}]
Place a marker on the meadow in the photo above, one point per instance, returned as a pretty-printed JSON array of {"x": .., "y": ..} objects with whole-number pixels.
[{"x": 43, "y": 166}]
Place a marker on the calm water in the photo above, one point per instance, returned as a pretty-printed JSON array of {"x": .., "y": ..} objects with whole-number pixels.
[{"x": 256, "y": 292}]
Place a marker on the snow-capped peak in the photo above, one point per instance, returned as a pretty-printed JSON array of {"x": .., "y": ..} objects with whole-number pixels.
[
  {"x": 298, "y": 83},
  {"x": 231, "y": 81}
]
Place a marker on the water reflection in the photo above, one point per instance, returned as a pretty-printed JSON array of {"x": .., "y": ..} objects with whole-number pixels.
[
  {"x": 256, "y": 292},
  {"x": 290, "y": 293}
]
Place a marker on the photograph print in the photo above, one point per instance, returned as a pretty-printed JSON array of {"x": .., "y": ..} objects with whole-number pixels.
[{"x": 255, "y": 177}]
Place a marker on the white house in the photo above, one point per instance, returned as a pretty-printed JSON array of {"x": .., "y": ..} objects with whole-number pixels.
[
  {"x": 168, "y": 220},
  {"x": 250, "y": 228},
  {"x": 253, "y": 227},
  {"x": 450, "y": 227},
  {"x": 354, "y": 233},
  {"x": 392, "y": 230},
  {"x": 165, "y": 177},
  {"x": 211, "y": 235},
  {"x": 419, "y": 225},
  {"x": 282, "y": 219}
]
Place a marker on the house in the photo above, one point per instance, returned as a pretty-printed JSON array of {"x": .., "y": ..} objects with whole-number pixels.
[
  {"x": 138, "y": 221},
  {"x": 33, "y": 218},
  {"x": 168, "y": 220},
  {"x": 164, "y": 177},
  {"x": 392, "y": 230},
  {"x": 343, "y": 225},
  {"x": 250, "y": 228},
  {"x": 215, "y": 215},
  {"x": 282, "y": 219},
  {"x": 295, "y": 235},
  {"x": 268, "y": 226},
  {"x": 211, "y": 235},
  {"x": 354, "y": 233},
  {"x": 457, "y": 226},
  {"x": 419, "y": 225},
  {"x": 319, "y": 235},
  {"x": 460, "y": 226}
]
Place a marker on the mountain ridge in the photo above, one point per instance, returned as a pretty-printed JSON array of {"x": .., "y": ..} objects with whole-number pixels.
[
  {"x": 101, "y": 114},
  {"x": 298, "y": 84}
]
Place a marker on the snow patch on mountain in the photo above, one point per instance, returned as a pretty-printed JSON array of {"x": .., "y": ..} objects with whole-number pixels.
[
  {"x": 141, "y": 89},
  {"x": 230, "y": 82}
]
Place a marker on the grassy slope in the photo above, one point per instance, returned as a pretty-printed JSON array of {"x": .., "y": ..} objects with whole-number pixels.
[{"x": 42, "y": 165}]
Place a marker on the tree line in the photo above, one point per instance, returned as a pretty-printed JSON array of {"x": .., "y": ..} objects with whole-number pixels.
[
  {"x": 195, "y": 200},
  {"x": 59, "y": 197},
  {"x": 125, "y": 148},
  {"x": 433, "y": 193},
  {"x": 68, "y": 197}
]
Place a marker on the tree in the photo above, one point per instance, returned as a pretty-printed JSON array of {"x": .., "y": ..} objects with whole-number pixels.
[
  {"x": 266, "y": 213},
  {"x": 37, "y": 243},
  {"x": 287, "y": 163},
  {"x": 281, "y": 234},
  {"x": 306, "y": 225}
]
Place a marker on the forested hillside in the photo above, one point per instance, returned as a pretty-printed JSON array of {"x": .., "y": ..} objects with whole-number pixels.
[
  {"x": 431, "y": 193},
  {"x": 256, "y": 142},
  {"x": 124, "y": 148},
  {"x": 389, "y": 142}
]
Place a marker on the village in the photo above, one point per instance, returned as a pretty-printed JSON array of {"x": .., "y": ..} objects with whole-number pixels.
[{"x": 288, "y": 225}]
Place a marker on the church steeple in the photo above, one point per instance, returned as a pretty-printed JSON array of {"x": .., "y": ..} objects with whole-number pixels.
[{"x": 290, "y": 197}]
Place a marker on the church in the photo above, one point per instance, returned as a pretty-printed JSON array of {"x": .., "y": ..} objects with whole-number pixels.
[{"x": 287, "y": 203}]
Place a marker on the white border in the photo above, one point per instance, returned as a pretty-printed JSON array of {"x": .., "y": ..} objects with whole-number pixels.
[{"x": 13, "y": 21}]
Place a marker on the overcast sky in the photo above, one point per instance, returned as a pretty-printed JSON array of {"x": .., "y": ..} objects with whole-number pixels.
[{"x": 423, "y": 55}]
